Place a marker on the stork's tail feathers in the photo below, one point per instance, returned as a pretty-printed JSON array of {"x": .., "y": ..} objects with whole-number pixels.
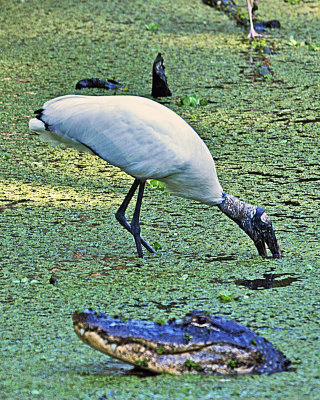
[
  {"x": 36, "y": 125},
  {"x": 39, "y": 126}
]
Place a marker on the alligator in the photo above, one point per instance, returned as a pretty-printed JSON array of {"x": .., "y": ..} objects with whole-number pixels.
[{"x": 197, "y": 343}]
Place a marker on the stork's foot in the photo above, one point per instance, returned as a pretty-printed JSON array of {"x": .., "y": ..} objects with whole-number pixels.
[
  {"x": 140, "y": 241},
  {"x": 147, "y": 246},
  {"x": 253, "y": 35},
  {"x": 135, "y": 233}
]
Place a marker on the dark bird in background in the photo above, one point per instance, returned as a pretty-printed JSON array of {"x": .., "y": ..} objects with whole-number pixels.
[{"x": 91, "y": 83}]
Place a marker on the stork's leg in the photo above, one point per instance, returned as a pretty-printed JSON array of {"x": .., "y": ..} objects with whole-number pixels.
[
  {"x": 252, "y": 34},
  {"x": 135, "y": 225},
  {"x": 121, "y": 218}
]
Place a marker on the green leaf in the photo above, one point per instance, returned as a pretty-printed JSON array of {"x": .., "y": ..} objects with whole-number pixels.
[
  {"x": 192, "y": 100},
  {"x": 157, "y": 246},
  {"x": 157, "y": 185},
  {"x": 153, "y": 27},
  {"x": 225, "y": 297}
]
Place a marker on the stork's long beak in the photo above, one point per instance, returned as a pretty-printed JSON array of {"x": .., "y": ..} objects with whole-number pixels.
[{"x": 263, "y": 234}]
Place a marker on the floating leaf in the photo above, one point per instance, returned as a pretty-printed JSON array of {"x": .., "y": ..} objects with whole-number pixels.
[
  {"x": 157, "y": 185},
  {"x": 192, "y": 100},
  {"x": 225, "y": 297},
  {"x": 153, "y": 27},
  {"x": 157, "y": 246}
]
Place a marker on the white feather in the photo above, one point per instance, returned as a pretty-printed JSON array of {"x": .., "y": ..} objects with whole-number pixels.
[
  {"x": 140, "y": 136},
  {"x": 54, "y": 139}
]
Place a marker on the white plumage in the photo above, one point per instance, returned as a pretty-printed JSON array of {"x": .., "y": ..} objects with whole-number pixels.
[
  {"x": 138, "y": 135},
  {"x": 144, "y": 139}
]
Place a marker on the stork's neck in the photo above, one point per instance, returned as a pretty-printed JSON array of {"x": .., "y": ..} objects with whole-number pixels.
[{"x": 239, "y": 211}]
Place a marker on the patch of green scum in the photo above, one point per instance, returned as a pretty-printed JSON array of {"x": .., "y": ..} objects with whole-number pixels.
[
  {"x": 142, "y": 363},
  {"x": 57, "y": 207},
  {"x": 187, "y": 337},
  {"x": 160, "y": 321},
  {"x": 225, "y": 297},
  {"x": 232, "y": 364},
  {"x": 160, "y": 350},
  {"x": 254, "y": 342},
  {"x": 193, "y": 365}
]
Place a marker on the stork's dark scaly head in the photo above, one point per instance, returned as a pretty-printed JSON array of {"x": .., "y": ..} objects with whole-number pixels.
[
  {"x": 255, "y": 222},
  {"x": 261, "y": 232}
]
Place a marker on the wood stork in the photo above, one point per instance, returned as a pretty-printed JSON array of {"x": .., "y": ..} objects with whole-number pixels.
[{"x": 148, "y": 141}]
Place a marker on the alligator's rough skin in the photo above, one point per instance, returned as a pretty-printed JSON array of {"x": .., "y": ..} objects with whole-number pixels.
[{"x": 198, "y": 343}]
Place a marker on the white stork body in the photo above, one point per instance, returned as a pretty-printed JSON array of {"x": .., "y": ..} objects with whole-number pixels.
[
  {"x": 148, "y": 141},
  {"x": 138, "y": 135}
]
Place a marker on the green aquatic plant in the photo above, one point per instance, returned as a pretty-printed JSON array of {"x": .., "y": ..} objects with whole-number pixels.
[
  {"x": 160, "y": 321},
  {"x": 152, "y": 27},
  {"x": 142, "y": 363},
  {"x": 193, "y": 365},
  {"x": 192, "y": 100},
  {"x": 157, "y": 246},
  {"x": 155, "y": 184},
  {"x": 225, "y": 297},
  {"x": 303, "y": 43},
  {"x": 160, "y": 350}
]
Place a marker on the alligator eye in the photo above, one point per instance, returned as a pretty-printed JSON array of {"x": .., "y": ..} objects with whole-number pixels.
[{"x": 202, "y": 320}]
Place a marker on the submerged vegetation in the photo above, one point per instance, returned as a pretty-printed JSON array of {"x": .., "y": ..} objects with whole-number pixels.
[{"x": 62, "y": 248}]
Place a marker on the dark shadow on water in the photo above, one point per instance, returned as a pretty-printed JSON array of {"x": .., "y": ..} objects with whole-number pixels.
[
  {"x": 115, "y": 367},
  {"x": 269, "y": 281},
  {"x": 219, "y": 257},
  {"x": 167, "y": 306},
  {"x": 140, "y": 373}
]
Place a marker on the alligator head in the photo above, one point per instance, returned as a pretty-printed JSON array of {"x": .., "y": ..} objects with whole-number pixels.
[{"x": 198, "y": 343}]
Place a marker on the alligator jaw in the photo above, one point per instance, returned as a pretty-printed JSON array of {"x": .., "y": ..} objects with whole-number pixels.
[
  {"x": 198, "y": 343},
  {"x": 219, "y": 358}
]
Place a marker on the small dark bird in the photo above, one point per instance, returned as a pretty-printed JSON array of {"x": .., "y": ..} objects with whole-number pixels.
[{"x": 99, "y": 83}]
